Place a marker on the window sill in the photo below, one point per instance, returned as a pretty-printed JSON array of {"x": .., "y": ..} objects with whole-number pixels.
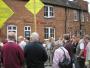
[
  {"x": 48, "y": 17},
  {"x": 76, "y": 20}
]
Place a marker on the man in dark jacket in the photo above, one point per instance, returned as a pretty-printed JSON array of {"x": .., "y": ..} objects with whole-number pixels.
[
  {"x": 35, "y": 53},
  {"x": 12, "y": 54}
]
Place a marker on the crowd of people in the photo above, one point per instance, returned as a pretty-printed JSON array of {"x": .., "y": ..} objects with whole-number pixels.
[{"x": 32, "y": 53}]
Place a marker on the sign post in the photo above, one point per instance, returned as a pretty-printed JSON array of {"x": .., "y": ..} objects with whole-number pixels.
[
  {"x": 34, "y": 6},
  {"x": 5, "y": 13},
  {"x": 35, "y": 20}
]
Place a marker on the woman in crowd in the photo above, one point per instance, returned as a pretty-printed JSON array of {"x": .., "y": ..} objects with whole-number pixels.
[{"x": 59, "y": 55}]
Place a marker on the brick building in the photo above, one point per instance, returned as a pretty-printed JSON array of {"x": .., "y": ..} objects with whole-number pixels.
[
  {"x": 56, "y": 18},
  {"x": 87, "y": 25}
]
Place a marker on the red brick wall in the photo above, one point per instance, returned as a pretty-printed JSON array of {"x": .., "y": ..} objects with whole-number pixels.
[{"x": 23, "y": 17}]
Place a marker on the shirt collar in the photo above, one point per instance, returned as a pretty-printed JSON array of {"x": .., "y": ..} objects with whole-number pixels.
[{"x": 10, "y": 41}]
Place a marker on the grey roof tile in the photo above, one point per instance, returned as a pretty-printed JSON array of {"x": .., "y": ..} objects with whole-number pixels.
[{"x": 64, "y": 3}]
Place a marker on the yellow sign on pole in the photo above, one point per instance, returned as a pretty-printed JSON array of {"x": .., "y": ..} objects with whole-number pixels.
[
  {"x": 5, "y": 13},
  {"x": 34, "y": 6}
]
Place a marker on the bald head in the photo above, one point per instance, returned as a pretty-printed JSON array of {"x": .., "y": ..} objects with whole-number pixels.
[
  {"x": 11, "y": 36},
  {"x": 20, "y": 38}
]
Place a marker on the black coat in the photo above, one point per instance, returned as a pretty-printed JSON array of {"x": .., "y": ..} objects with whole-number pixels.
[{"x": 35, "y": 55}]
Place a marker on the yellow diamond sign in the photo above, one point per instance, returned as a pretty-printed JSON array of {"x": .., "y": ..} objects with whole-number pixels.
[
  {"x": 34, "y": 6},
  {"x": 5, "y": 13}
]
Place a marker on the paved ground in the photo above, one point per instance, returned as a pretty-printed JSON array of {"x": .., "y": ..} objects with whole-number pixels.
[
  {"x": 48, "y": 67},
  {"x": 45, "y": 67}
]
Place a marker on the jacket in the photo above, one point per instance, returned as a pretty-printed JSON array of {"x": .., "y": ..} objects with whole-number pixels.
[
  {"x": 59, "y": 56},
  {"x": 13, "y": 56},
  {"x": 35, "y": 55}
]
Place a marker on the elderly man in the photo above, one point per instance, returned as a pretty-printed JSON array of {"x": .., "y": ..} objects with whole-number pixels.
[
  {"x": 12, "y": 54},
  {"x": 35, "y": 53}
]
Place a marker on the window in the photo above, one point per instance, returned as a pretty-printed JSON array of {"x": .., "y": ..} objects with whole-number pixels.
[
  {"x": 48, "y": 11},
  {"x": 27, "y": 31},
  {"x": 82, "y": 17},
  {"x": 12, "y": 28},
  {"x": 49, "y": 32},
  {"x": 76, "y": 15},
  {"x": 87, "y": 19}
]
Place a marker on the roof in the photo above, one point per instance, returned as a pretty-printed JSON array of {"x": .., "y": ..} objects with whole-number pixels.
[{"x": 63, "y": 3}]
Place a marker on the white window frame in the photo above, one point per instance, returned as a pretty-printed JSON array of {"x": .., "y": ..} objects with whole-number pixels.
[
  {"x": 11, "y": 30},
  {"x": 76, "y": 15},
  {"x": 27, "y": 29},
  {"x": 49, "y": 29},
  {"x": 49, "y": 16}
]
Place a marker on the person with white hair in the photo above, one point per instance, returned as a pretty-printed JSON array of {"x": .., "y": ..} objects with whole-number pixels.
[
  {"x": 34, "y": 37},
  {"x": 35, "y": 53}
]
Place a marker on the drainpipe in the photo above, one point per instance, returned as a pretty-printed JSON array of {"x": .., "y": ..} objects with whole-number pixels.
[
  {"x": 80, "y": 23},
  {"x": 65, "y": 20}
]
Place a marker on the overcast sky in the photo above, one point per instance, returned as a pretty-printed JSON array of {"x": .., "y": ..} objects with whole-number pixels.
[{"x": 89, "y": 4}]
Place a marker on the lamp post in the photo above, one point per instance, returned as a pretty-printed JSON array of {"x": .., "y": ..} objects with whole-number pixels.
[{"x": 66, "y": 20}]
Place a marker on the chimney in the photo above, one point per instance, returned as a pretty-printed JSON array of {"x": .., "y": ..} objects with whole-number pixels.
[{"x": 83, "y": 4}]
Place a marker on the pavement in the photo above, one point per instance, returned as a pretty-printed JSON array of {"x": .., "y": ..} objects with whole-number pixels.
[
  {"x": 48, "y": 67},
  {"x": 45, "y": 67}
]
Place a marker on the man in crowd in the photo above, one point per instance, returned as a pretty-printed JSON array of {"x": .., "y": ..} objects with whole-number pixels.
[
  {"x": 87, "y": 61},
  {"x": 21, "y": 42},
  {"x": 12, "y": 54},
  {"x": 68, "y": 45},
  {"x": 80, "y": 52},
  {"x": 35, "y": 53}
]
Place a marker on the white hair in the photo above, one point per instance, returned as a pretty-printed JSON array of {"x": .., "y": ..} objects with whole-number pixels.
[
  {"x": 59, "y": 42},
  {"x": 34, "y": 36}
]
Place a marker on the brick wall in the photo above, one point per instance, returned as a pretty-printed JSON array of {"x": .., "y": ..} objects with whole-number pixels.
[{"x": 23, "y": 17}]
